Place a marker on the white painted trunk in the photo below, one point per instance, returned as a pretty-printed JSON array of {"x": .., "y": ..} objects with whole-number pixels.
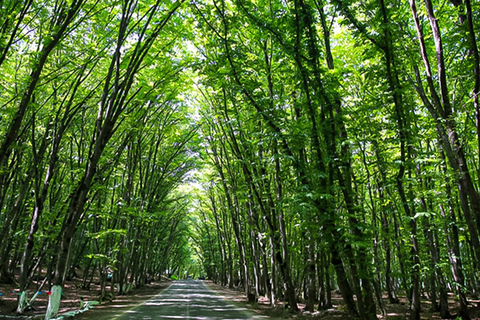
[
  {"x": 22, "y": 302},
  {"x": 54, "y": 302}
]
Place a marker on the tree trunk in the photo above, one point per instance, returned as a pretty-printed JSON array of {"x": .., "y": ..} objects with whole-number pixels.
[
  {"x": 344, "y": 286},
  {"x": 453, "y": 243},
  {"x": 57, "y": 34},
  {"x": 440, "y": 109},
  {"x": 311, "y": 276}
]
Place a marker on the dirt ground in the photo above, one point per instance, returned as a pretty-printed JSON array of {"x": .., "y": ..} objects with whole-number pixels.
[
  {"x": 394, "y": 311},
  {"x": 71, "y": 299},
  {"x": 73, "y": 294}
]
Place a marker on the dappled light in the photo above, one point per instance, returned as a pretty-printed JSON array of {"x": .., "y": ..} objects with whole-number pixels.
[
  {"x": 188, "y": 299},
  {"x": 320, "y": 158}
]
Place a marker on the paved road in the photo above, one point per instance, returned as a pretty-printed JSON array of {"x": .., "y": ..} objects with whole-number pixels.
[{"x": 188, "y": 299}]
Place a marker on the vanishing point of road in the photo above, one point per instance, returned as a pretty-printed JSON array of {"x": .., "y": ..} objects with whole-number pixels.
[{"x": 187, "y": 299}]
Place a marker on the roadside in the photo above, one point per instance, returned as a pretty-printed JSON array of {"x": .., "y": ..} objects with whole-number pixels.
[
  {"x": 122, "y": 303},
  {"x": 125, "y": 302},
  {"x": 263, "y": 306},
  {"x": 71, "y": 300},
  {"x": 394, "y": 311}
]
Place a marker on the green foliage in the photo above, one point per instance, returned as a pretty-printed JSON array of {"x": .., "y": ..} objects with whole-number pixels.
[{"x": 248, "y": 141}]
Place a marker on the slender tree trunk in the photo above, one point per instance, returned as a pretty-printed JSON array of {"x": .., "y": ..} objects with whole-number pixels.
[
  {"x": 441, "y": 111},
  {"x": 10, "y": 226},
  {"x": 12, "y": 26},
  {"x": 42, "y": 190},
  {"x": 58, "y": 33},
  {"x": 453, "y": 243},
  {"x": 284, "y": 261},
  {"x": 311, "y": 276},
  {"x": 328, "y": 284},
  {"x": 273, "y": 277},
  {"x": 233, "y": 207},
  {"x": 344, "y": 286},
  {"x": 111, "y": 107}
]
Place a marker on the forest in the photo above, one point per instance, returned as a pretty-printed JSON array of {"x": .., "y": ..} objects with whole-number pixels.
[{"x": 290, "y": 148}]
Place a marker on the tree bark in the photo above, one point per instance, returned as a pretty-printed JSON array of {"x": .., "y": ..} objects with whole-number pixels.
[
  {"x": 59, "y": 31},
  {"x": 440, "y": 109}
]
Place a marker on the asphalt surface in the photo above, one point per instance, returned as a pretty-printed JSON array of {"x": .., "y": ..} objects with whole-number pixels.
[{"x": 188, "y": 299}]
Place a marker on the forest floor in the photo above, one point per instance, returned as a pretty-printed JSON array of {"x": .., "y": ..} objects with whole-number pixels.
[
  {"x": 71, "y": 299},
  {"x": 394, "y": 311},
  {"x": 72, "y": 296}
]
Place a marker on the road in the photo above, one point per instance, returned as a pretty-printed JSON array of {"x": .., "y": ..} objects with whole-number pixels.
[{"x": 188, "y": 299}]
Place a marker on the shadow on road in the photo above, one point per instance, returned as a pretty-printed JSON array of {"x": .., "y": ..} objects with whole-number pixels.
[{"x": 188, "y": 299}]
